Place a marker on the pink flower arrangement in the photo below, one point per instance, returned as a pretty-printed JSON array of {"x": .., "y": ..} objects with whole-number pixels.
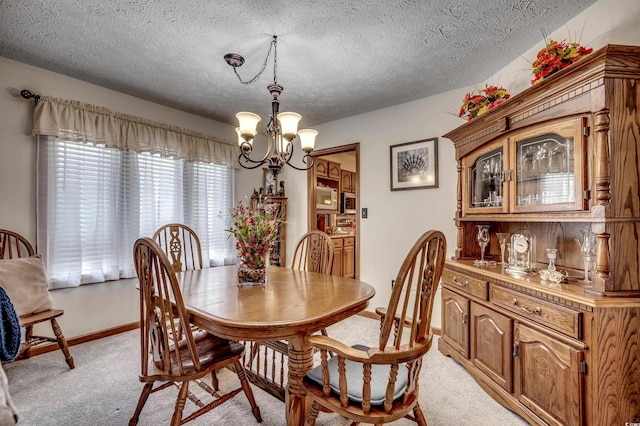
[
  {"x": 475, "y": 104},
  {"x": 556, "y": 56},
  {"x": 255, "y": 230}
]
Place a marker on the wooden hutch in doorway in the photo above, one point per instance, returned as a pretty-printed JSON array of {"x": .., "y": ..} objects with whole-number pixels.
[{"x": 555, "y": 161}]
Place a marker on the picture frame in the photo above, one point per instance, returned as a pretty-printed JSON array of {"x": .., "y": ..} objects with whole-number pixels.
[
  {"x": 414, "y": 165},
  {"x": 269, "y": 179}
]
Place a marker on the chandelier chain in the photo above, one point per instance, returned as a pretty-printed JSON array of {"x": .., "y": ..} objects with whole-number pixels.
[{"x": 273, "y": 46}]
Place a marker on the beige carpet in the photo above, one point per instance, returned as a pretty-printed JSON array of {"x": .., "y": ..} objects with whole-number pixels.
[{"x": 103, "y": 389}]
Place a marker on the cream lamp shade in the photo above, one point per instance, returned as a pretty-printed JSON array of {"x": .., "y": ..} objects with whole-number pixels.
[
  {"x": 248, "y": 122},
  {"x": 307, "y": 139},
  {"x": 289, "y": 124}
]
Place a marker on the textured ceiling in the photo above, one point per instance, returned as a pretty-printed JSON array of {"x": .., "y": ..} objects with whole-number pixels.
[{"x": 335, "y": 58}]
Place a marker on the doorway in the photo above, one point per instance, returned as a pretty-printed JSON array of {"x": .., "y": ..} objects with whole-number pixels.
[{"x": 338, "y": 168}]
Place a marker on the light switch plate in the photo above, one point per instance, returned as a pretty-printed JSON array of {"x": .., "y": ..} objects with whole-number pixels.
[{"x": 365, "y": 212}]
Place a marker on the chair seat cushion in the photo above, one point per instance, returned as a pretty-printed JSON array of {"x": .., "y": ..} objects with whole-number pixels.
[
  {"x": 210, "y": 348},
  {"x": 25, "y": 282},
  {"x": 354, "y": 372}
]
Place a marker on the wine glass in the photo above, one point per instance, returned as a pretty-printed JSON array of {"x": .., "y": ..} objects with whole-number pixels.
[
  {"x": 483, "y": 239},
  {"x": 502, "y": 238}
]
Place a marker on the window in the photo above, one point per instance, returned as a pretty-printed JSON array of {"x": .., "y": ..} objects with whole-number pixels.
[{"x": 94, "y": 202}]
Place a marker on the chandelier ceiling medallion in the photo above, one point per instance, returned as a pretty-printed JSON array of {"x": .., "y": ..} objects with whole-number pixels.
[{"x": 281, "y": 130}]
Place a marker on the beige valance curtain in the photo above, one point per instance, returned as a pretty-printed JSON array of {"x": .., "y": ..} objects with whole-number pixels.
[{"x": 79, "y": 122}]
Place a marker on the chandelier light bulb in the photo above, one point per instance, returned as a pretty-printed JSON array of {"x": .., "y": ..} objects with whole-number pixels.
[
  {"x": 307, "y": 139},
  {"x": 289, "y": 124},
  {"x": 248, "y": 122}
]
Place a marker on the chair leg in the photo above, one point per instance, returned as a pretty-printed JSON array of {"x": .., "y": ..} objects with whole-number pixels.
[
  {"x": 214, "y": 380},
  {"x": 62, "y": 342},
  {"x": 417, "y": 412},
  {"x": 28, "y": 334},
  {"x": 146, "y": 390},
  {"x": 313, "y": 415},
  {"x": 182, "y": 399},
  {"x": 247, "y": 390}
]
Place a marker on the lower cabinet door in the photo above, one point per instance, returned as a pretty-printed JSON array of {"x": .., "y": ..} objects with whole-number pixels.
[
  {"x": 455, "y": 321},
  {"x": 349, "y": 262},
  {"x": 547, "y": 376},
  {"x": 336, "y": 269},
  {"x": 492, "y": 344}
]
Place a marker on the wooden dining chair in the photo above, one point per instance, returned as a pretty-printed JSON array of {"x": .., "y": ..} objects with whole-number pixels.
[
  {"x": 267, "y": 361},
  {"x": 313, "y": 252},
  {"x": 172, "y": 358},
  {"x": 181, "y": 245},
  {"x": 15, "y": 246},
  {"x": 380, "y": 385}
]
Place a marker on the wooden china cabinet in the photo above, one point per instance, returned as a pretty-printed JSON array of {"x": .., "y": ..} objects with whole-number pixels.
[
  {"x": 278, "y": 251},
  {"x": 552, "y": 162}
]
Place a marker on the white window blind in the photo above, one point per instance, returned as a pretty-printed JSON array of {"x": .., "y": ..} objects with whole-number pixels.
[
  {"x": 94, "y": 202},
  {"x": 213, "y": 188}
]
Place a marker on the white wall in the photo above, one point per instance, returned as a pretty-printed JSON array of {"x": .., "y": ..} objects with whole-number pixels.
[{"x": 395, "y": 218}]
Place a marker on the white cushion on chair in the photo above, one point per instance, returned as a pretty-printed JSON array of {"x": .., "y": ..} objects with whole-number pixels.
[
  {"x": 25, "y": 281},
  {"x": 379, "y": 379}
]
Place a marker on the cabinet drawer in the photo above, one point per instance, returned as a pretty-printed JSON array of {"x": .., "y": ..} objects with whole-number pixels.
[
  {"x": 559, "y": 318},
  {"x": 465, "y": 283},
  {"x": 349, "y": 241},
  {"x": 337, "y": 242}
]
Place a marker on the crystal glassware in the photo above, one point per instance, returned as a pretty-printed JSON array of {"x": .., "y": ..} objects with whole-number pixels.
[
  {"x": 483, "y": 239},
  {"x": 551, "y": 255},
  {"x": 502, "y": 238},
  {"x": 587, "y": 249}
]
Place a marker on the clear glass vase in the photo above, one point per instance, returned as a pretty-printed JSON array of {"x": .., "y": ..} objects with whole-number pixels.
[{"x": 252, "y": 276}]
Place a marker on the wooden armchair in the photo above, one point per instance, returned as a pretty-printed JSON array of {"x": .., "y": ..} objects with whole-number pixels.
[
  {"x": 181, "y": 245},
  {"x": 267, "y": 361},
  {"x": 380, "y": 385},
  {"x": 15, "y": 246},
  {"x": 174, "y": 357}
]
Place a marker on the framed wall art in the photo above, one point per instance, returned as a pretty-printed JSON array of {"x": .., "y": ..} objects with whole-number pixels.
[{"x": 414, "y": 165}]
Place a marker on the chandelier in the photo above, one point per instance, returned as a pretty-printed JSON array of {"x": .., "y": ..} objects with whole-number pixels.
[{"x": 282, "y": 128}]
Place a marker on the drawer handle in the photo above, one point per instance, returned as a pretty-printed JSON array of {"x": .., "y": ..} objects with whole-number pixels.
[
  {"x": 534, "y": 311},
  {"x": 464, "y": 284}
]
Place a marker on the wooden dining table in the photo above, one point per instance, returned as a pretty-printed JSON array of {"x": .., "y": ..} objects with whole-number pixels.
[{"x": 291, "y": 306}]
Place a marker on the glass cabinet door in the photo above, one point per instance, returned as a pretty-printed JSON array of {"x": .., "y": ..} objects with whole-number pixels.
[
  {"x": 548, "y": 169},
  {"x": 485, "y": 177}
]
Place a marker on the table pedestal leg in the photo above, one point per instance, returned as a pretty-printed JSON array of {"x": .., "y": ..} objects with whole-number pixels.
[{"x": 300, "y": 361}]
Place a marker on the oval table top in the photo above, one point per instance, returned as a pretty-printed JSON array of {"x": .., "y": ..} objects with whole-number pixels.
[{"x": 292, "y": 303}]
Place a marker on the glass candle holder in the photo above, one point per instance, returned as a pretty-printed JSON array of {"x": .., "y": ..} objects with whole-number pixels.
[
  {"x": 502, "y": 238},
  {"x": 587, "y": 246},
  {"x": 552, "y": 254}
]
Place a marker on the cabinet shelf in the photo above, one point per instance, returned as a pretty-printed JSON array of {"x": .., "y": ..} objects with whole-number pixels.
[{"x": 530, "y": 217}]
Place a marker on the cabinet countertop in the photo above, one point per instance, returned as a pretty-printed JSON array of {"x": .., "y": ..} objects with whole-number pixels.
[{"x": 571, "y": 290}]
